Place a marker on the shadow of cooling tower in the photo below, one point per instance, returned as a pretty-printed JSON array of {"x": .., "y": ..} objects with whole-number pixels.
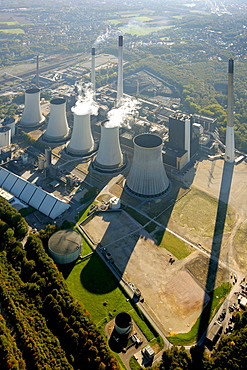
[{"x": 216, "y": 248}]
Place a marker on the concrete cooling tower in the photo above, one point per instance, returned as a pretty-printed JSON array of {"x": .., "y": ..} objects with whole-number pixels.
[
  {"x": 109, "y": 157},
  {"x": 147, "y": 177},
  {"x": 57, "y": 128},
  {"x": 32, "y": 113},
  {"x": 81, "y": 142}
]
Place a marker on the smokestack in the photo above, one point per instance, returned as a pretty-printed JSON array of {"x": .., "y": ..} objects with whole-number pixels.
[
  {"x": 37, "y": 76},
  {"x": 120, "y": 70},
  {"x": 93, "y": 69},
  {"x": 57, "y": 128},
  {"x": 187, "y": 137},
  {"x": 230, "y": 142},
  {"x": 32, "y": 113},
  {"x": 147, "y": 177},
  {"x": 109, "y": 157},
  {"x": 81, "y": 141}
]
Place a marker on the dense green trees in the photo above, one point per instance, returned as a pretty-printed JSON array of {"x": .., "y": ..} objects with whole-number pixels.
[{"x": 42, "y": 326}]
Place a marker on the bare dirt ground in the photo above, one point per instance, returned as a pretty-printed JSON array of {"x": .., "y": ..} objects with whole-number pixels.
[{"x": 175, "y": 293}]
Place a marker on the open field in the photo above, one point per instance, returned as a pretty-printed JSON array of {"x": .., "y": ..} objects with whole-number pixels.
[
  {"x": 142, "y": 30},
  {"x": 12, "y": 30},
  {"x": 172, "y": 292}
]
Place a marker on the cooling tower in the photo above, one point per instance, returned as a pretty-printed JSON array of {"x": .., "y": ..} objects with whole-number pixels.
[
  {"x": 123, "y": 323},
  {"x": 109, "y": 157},
  {"x": 147, "y": 177},
  {"x": 32, "y": 113},
  {"x": 57, "y": 128},
  {"x": 81, "y": 141},
  {"x": 120, "y": 70},
  {"x": 230, "y": 142},
  {"x": 93, "y": 69}
]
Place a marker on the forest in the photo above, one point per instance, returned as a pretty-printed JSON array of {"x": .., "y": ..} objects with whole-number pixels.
[{"x": 41, "y": 325}]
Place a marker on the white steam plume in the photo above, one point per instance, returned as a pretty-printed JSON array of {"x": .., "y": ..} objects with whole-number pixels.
[
  {"x": 119, "y": 117},
  {"x": 110, "y": 33},
  {"x": 85, "y": 103}
]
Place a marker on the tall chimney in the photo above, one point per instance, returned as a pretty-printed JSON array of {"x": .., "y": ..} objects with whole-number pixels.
[
  {"x": 230, "y": 143},
  {"x": 37, "y": 72},
  {"x": 93, "y": 69},
  {"x": 120, "y": 70}
]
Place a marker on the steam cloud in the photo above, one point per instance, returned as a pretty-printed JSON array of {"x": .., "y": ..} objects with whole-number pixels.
[
  {"x": 85, "y": 103},
  {"x": 119, "y": 117},
  {"x": 110, "y": 33}
]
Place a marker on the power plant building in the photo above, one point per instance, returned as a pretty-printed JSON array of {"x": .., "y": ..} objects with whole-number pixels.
[
  {"x": 147, "y": 177},
  {"x": 65, "y": 246},
  {"x": 31, "y": 194},
  {"x": 182, "y": 144},
  {"x": 57, "y": 129},
  {"x": 32, "y": 115},
  {"x": 5, "y": 136}
]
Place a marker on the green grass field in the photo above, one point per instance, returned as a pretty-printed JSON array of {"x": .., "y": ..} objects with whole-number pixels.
[
  {"x": 9, "y": 23},
  {"x": 197, "y": 211},
  {"x": 12, "y": 30},
  {"x": 93, "y": 285},
  {"x": 218, "y": 297},
  {"x": 176, "y": 246}
]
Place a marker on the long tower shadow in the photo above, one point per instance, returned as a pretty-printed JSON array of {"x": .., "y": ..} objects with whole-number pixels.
[{"x": 216, "y": 248}]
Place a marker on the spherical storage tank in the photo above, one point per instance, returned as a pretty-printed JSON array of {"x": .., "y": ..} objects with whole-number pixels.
[
  {"x": 123, "y": 323},
  {"x": 65, "y": 246}
]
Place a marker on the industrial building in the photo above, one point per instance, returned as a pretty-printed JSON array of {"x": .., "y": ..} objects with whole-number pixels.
[
  {"x": 65, "y": 246},
  {"x": 183, "y": 144},
  {"x": 32, "y": 195}
]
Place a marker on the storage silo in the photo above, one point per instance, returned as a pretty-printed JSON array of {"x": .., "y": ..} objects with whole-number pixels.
[
  {"x": 81, "y": 141},
  {"x": 32, "y": 115},
  {"x": 47, "y": 157},
  {"x": 57, "y": 128},
  {"x": 123, "y": 323},
  {"x": 9, "y": 122},
  {"x": 65, "y": 246},
  {"x": 5, "y": 136},
  {"x": 109, "y": 157},
  {"x": 147, "y": 177}
]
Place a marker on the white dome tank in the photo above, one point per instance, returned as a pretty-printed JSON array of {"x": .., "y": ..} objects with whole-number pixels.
[
  {"x": 57, "y": 128},
  {"x": 109, "y": 157},
  {"x": 147, "y": 177},
  {"x": 81, "y": 141},
  {"x": 32, "y": 113}
]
